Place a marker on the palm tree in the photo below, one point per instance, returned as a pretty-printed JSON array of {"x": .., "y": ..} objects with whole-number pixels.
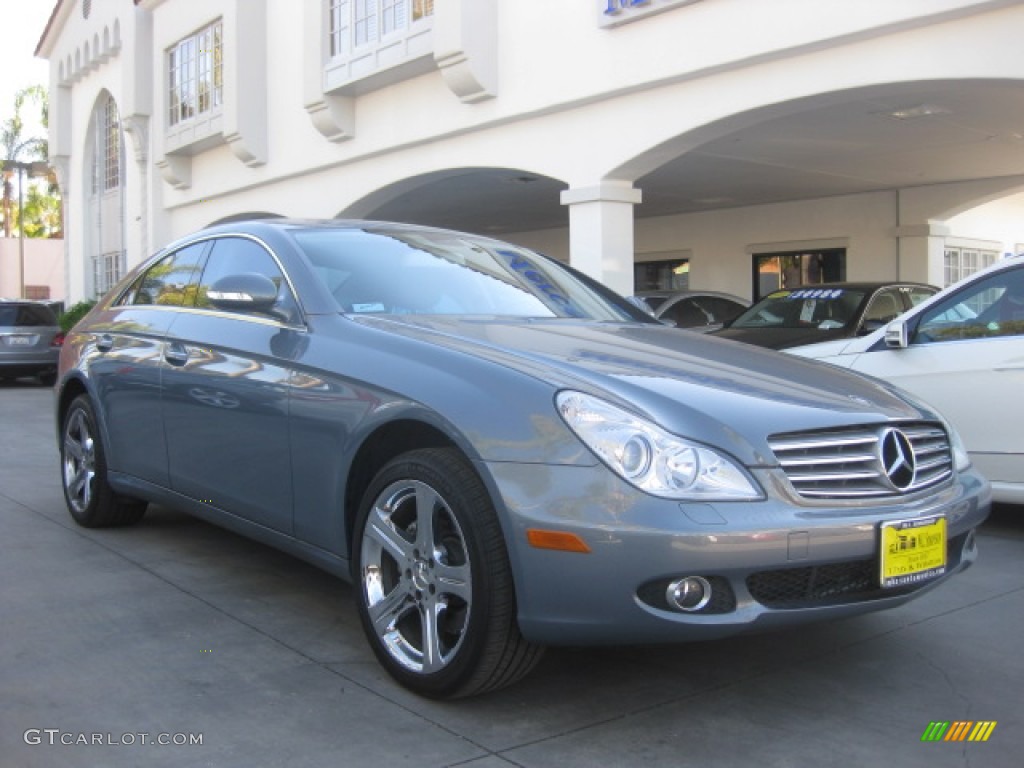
[{"x": 17, "y": 147}]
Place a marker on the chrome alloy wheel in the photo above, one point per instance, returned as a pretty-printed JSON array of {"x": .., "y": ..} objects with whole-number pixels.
[
  {"x": 79, "y": 465},
  {"x": 416, "y": 576}
]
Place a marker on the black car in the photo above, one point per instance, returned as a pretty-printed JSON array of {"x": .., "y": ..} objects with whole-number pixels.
[
  {"x": 30, "y": 340},
  {"x": 824, "y": 312}
]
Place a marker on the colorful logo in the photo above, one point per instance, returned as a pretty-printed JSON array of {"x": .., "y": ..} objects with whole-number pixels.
[{"x": 959, "y": 730}]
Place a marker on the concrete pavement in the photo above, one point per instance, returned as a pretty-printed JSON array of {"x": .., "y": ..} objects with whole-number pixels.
[{"x": 175, "y": 631}]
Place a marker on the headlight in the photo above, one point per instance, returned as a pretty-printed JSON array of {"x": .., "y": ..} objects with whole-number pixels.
[
  {"x": 961, "y": 459},
  {"x": 645, "y": 455}
]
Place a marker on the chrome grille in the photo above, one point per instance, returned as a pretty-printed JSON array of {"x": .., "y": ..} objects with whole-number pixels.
[{"x": 865, "y": 462}]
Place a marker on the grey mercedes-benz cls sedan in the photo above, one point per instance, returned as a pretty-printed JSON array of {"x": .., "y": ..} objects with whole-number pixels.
[{"x": 498, "y": 452}]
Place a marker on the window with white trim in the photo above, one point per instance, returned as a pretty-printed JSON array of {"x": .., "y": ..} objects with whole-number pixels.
[
  {"x": 111, "y": 146},
  {"x": 195, "y": 75},
  {"x": 961, "y": 262},
  {"x": 354, "y": 24}
]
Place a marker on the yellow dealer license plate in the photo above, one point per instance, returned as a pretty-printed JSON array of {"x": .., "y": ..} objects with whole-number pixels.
[{"x": 913, "y": 551}]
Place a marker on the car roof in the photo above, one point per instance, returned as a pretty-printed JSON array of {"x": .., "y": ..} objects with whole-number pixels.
[{"x": 866, "y": 285}]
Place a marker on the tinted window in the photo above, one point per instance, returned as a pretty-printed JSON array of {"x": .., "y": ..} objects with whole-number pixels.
[
  {"x": 824, "y": 308},
  {"x": 721, "y": 309},
  {"x": 402, "y": 272},
  {"x": 987, "y": 308},
  {"x": 26, "y": 315},
  {"x": 687, "y": 313},
  {"x": 171, "y": 281},
  {"x": 239, "y": 255}
]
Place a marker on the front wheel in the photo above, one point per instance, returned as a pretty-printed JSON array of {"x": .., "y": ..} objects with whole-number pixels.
[
  {"x": 433, "y": 581},
  {"x": 90, "y": 499}
]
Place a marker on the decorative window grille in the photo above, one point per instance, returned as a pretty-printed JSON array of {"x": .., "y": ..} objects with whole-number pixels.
[
  {"x": 354, "y": 24},
  {"x": 196, "y": 75},
  {"x": 961, "y": 262}
]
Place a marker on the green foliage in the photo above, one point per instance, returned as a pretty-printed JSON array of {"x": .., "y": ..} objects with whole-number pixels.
[
  {"x": 75, "y": 313},
  {"x": 42, "y": 213}
]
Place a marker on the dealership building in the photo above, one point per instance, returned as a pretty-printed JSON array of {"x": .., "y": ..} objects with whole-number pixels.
[{"x": 732, "y": 145}]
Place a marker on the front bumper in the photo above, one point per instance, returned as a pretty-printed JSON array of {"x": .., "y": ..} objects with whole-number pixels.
[{"x": 770, "y": 563}]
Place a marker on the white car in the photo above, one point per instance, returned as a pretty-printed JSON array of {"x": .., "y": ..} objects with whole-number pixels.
[{"x": 961, "y": 351}]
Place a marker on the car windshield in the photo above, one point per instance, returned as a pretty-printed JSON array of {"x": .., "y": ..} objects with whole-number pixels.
[
  {"x": 822, "y": 308},
  {"x": 404, "y": 272}
]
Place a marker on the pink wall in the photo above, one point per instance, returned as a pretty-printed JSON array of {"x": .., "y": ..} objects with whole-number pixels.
[{"x": 44, "y": 265}]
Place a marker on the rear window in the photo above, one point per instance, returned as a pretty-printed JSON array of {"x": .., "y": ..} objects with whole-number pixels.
[{"x": 26, "y": 315}]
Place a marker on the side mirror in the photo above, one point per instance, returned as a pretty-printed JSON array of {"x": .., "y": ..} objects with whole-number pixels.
[
  {"x": 245, "y": 292},
  {"x": 897, "y": 335}
]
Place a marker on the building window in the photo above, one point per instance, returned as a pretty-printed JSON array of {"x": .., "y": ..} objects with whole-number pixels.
[
  {"x": 107, "y": 269},
  {"x": 111, "y": 146},
  {"x": 961, "y": 262},
  {"x": 354, "y": 24},
  {"x": 666, "y": 275},
  {"x": 196, "y": 75},
  {"x": 793, "y": 269}
]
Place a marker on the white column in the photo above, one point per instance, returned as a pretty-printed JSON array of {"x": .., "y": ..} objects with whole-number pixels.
[
  {"x": 601, "y": 232},
  {"x": 922, "y": 250}
]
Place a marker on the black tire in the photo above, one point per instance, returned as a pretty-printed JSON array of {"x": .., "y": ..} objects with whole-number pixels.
[
  {"x": 90, "y": 499},
  {"x": 427, "y": 543}
]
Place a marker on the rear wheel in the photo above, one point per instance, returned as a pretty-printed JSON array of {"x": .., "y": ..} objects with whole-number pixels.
[
  {"x": 434, "y": 584},
  {"x": 90, "y": 499}
]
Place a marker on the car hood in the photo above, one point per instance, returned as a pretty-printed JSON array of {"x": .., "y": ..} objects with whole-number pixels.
[
  {"x": 781, "y": 338},
  {"x": 729, "y": 394}
]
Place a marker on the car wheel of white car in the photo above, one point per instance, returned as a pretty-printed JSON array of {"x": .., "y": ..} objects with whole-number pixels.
[
  {"x": 90, "y": 499},
  {"x": 433, "y": 582}
]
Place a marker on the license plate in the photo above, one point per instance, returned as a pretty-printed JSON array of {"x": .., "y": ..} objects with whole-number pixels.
[
  {"x": 20, "y": 341},
  {"x": 912, "y": 551}
]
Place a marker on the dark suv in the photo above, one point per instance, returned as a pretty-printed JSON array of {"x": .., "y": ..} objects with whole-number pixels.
[{"x": 30, "y": 340}]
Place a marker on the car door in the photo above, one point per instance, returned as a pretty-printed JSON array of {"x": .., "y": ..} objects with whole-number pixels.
[
  {"x": 225, "y": 394},
  {"x": 124, "y": 357},
  {"x": 966, "y": 358}
]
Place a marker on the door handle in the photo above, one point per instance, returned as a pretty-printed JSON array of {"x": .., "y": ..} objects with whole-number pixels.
[
  {"x": 105, "y": 343},
  {"x": 175, "y": 354}
]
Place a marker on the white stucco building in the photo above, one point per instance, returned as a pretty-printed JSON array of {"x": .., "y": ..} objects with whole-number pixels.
[{"x": 723, "y": 140}]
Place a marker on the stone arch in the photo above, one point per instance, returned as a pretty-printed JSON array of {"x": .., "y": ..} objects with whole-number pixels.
[
  {"x": 502, "y": 198},
  {"x": 103, "y": 186}
]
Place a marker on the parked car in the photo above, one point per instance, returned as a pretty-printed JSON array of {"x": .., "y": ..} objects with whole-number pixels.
[
  {"x": 499, "y": 453},
  {"x": 30, "y": 340},
  {"x": 823, "y": 312},
  {"x": 962, "y": 351},
  {"x": 694, "y": 310}
]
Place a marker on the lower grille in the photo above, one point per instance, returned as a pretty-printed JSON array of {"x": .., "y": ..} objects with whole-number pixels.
[{"x": 833, "y": 583}]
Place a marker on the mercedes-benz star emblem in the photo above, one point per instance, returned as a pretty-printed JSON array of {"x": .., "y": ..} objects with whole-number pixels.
[{"x": 897, "y": 457}]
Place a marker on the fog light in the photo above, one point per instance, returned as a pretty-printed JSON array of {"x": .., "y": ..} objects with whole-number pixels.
[{"x": 689, "y": 594}]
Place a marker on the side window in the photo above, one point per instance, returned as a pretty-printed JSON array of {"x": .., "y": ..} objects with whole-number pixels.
[
  {"x": 238, "y": 255},
  {"x": 171, "y": 281},
  {"x": 917, "y": 294},
  {"x": 722, "y": 309},
  {"x": 686, "y": 313},
  {"x": 987, "y": 308},
  {"x": 885, "y": 306}
]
